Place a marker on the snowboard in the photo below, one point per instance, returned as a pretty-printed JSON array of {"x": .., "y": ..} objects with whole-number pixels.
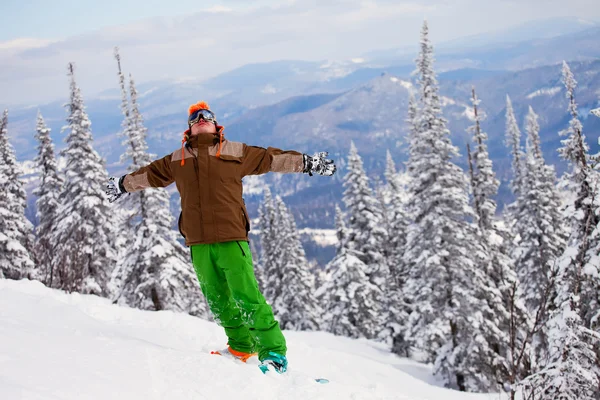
[{"x": 254, "y": 361}]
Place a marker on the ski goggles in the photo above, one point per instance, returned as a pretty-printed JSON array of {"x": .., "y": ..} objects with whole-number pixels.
[{"x": 206, "y": 115}]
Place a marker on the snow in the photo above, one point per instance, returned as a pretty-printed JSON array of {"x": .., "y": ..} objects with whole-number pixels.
[
  {"x": 446, "y": 101},
  {"x": 545, "y": 92},
  {"x": 55, "y": 345},
  {"x": 323, "y": 237},
  {"x": 147, "y": 92},
  {"x": 269, "y": 89},
  {"x": 253, "y": 184},
  {"x": 406, "y": 84},
  {"x": 334, "y": 69}
]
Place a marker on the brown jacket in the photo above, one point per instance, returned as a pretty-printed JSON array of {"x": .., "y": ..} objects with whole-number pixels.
[{"x": 212, "y": 208}]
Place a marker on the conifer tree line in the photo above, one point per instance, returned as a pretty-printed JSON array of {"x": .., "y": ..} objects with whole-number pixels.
[
  {"x": 506, "y": 302},
  {"x": 128, "y": 253},
  {"x": 495, "y": 301},
  {"x": 426, "y": 264}
]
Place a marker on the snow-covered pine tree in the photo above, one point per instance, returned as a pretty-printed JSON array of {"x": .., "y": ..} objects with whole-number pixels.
[
  {"x": 445, "y": 281},
  {"x": 16, "y": 238},
  {"x": 539, "y": 222},
  {"x": 396, "y": 309},
  {"x": 484, "y": 184},
  {"x": 347, "y": 296},
  {"x": 584, "y": 242},
  {"x": 513, "y": 142},
  {"x": 270, "y": 263},
  {"x": 382, "y": 192},
  {"x": 572, "y": 369},
  {"x": 341, "y": 230},
  {"x": 367, "y": 234},
  {"x": 83, "y": 239},
  {"x": 155, "y": 273},
  {"x": 128, "y": 214},
  {"x": 323, "y": 278},
  {"x": 390, "y": 172},
  {"x": 398, "y": 219},
  {"x": 296, "y": 307},
  {"x": 507, "y": 326},
  {"x": 47, "y": 203},
  {"x": 571, "y": 372},
  {"x": 16, "y": 187},
  {"x": 366, "y": 229}
]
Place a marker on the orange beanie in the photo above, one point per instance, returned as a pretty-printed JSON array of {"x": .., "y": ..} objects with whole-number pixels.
[{"x": 201, "y": 105}]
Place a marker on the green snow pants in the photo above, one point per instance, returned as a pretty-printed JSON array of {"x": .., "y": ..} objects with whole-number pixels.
[{"x": 227, "y": 280}]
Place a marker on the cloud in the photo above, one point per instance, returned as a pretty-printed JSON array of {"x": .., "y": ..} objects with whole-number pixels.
[
  {"x": 218, "y": 38},
  {"x": 22, "y": 44}
]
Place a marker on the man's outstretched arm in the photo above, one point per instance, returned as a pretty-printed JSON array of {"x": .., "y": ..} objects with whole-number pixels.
[
  {"x": 155, "y": 174},
  {"x": 258, "y": 160}
]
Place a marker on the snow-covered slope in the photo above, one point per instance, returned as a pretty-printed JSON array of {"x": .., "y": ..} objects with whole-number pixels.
[{"x": 55, "y": 345}]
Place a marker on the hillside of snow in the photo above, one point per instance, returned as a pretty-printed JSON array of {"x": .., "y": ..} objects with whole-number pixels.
[{"x": 55, "y": 345}]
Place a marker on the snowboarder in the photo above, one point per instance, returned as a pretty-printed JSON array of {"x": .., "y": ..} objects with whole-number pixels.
[{"x": 208, "y": 172}]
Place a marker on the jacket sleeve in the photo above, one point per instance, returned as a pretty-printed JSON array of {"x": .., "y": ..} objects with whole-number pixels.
[
  {"x": 258, "y": 160},
  {"x": 156, "y": 174}
]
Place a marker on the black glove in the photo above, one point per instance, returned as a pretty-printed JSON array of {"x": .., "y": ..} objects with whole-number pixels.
[
  {"x": 115, "y": 188},
  {"x": 318, "y": 164}
]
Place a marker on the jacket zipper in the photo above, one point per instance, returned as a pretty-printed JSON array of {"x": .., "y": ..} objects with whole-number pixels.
[
  {"x": 240, "y": 246},
  {"x": 197, "y": 170}
]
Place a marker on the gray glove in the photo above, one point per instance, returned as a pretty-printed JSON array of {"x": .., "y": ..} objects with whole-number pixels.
[
  {"x": 318, "y": 164},
  {"x": 115, "y": 188},
  {"x": 596, "y": 112}
]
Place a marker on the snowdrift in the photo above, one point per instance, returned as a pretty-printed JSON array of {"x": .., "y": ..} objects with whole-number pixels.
[{"x": 55, "y": 345}]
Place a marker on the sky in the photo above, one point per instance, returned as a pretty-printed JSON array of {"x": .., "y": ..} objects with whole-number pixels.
[
  {"x": 55, "y": 345},
  {"x": 198, "y": 40}
]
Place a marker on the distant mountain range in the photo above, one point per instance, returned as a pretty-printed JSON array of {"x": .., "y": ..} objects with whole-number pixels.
[{"x": 528, "y": 45}]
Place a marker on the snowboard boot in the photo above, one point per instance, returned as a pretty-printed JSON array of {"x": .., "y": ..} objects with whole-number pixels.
[
  {"x": 274, "y": 361},
  {"x": 238, "y": 355}
]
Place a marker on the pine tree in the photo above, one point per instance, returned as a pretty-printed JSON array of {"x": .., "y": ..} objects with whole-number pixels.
[
  {"x": 506, "y": 327},
  {"x": 270, "y": 263},
  {"x": 83, "y": 239},
  {"x": 485, "y": 185},
  {"x": 584, "y": 243},
  {"x": 16, "y": 260},
  {"x": 572, "y": 370},
  {"x": 367, "y": 233},
  {"x": 296, "y": 307},
  {"x": 396, "y": 309},
  {"x": 341, "y": 230},
  {"x": 539, "y": 219},
  {"x": 47, "y": 203},
  {"x": 367, "y": 236},
  {"x": 155, "y": 273},
  {"x": 135, "y": 157},
  {"x": 398, "y": 219},
  {"x": 324, "y": 277},
  {"x": 513, "y": 141},
  {"x": 540, "y": 226},
  {"x": 445, "y": 281},
  {"x": 347, "y": 295}
]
